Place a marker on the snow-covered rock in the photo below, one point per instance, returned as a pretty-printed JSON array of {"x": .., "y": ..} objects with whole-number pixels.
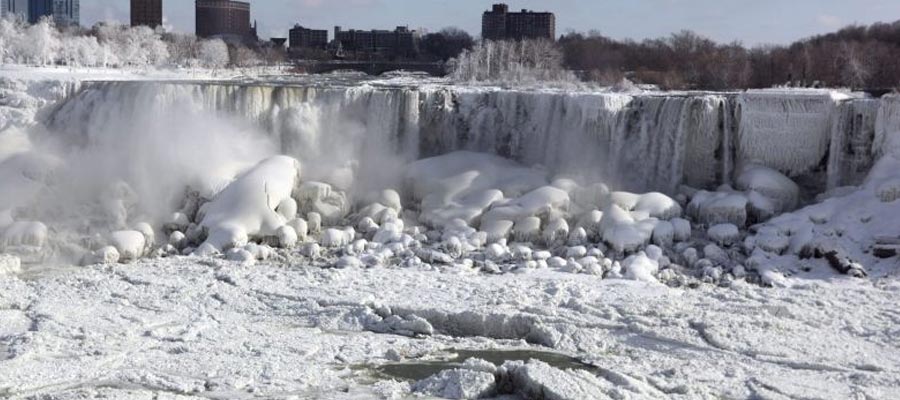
[
  {"x": 658, "y": 205},
  {"x": 247, "y": 207},
  {"x": 131, "y": 245},
  {"x": 724, "y": 234},
  {"x": 24, "y": 233},
  {"x": 712, "y": 208},
  {"x": 784, "y": 193}
]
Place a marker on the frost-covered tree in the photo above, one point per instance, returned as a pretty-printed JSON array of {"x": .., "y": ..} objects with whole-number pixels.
[
  {"x": 213, "y": 54},
  {"x": 526, "y": 61},
  {"x": 183, "y": 49},
  {"x": 41, "y": 43},
  {"x": 132, "y": 46},
  {"x": 10, "y": 38}
]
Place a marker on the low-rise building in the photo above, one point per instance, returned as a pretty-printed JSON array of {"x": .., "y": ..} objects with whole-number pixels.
[
  {"x": 304, "y": 38},
  {"x": 501, "y": 24},
  {"x": 400, "y": 42}
]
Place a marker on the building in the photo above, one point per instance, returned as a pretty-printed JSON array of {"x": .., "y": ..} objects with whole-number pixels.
[
  {"x": 146, "y": 13},
  {"x": 225, "y": 19},
  {"x": 303, "y": 38},
  {"x": 500, "y": 24},
  {"x": 63, "y": 12},
  {"x": 400, "y": 42},
  {"x": 14, "y": 7}
]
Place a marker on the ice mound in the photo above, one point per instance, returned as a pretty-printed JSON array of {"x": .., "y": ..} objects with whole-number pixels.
[
  {"x": 458, "y": 384},
  {"x": 248, "y": 207},
  {"x": 538, "y": 380},
  {"x": 771, "y": 184},
  {"x": 463, "y": 185}
]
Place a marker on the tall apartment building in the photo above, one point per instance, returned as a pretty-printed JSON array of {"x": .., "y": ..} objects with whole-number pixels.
[
  {"x": 400, "y": 41},
  {"x": 304, "y": 38},
  {"x": 500, "y": 24},
  {"x": 63, "y": 12},
  {"x": 146, "y": 13},
  {"x": 225, "y": 19},
  {"x": 14, "y": 7}
]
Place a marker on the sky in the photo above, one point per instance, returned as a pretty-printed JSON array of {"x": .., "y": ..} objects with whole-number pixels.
[{"x": 751, "y": 22}]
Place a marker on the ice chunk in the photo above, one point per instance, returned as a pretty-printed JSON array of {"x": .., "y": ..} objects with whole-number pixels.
[
  {"x": 724, "y": 234},
  {"x": 247, "y": 207},
  {"x": 287, "y": 236},
  {"x": 664, "y": 234},
  {"x": 497, "y": 229},
  {"x": 105, "y": 255},
  {"x": 713, "y": 208},
  {"x": 784, "y": 193},
  {"x": 301, "y": 228},
  {"x": 527, "y": 230},
  {"x": 458, "y": 384},
  {"x": 9, "y": 265},
  {"x": 334, "y": 238},
  {"x": 24, "y": 233},
  {"x": 682, "y": 229},
  {"x": 464, "y": 184},
  {"x": 314, "y": 223},
  {"x": 658, "y": 205},
  {"x": 639, "y": 267},
  {"x": 620, "y": 230},
  {"x": 556, "y": 232},
  {"x": 538, "y": 380},
  {"x": 543, "y": 202},
  {"x": 889, "y": 191},
  {"x": 241, "y": 256}
]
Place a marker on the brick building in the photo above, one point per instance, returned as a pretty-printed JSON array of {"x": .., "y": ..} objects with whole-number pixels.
[
  {"x": 225, "y": 19},
  {"x": 304, "y": 38},
  {"x": 401, "y": 41},
  {"x": 146, "y": 13},
  {"x": 501, "y": 24}
]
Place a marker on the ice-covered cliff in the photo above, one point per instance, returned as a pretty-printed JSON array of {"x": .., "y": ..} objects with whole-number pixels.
[{"x": 637, "y": 142}]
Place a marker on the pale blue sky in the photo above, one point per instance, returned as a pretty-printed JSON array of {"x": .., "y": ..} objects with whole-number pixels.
[{"x": 750, "y": 21}]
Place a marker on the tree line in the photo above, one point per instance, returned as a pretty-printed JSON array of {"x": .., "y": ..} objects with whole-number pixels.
[
  {"x": 858, "y": 57},
  {"x": 116, "y": 46}
]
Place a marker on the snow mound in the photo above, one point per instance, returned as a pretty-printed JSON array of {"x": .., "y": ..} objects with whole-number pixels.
[{"x": 247, "y": 208}]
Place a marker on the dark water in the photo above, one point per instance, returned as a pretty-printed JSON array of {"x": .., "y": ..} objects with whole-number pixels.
[{"x": 416, "y": 371}]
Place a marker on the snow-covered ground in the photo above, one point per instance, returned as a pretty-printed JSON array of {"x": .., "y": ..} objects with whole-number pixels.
[
  {"x": 216, "y": 329},
  {"x": 209, "y": 235}
]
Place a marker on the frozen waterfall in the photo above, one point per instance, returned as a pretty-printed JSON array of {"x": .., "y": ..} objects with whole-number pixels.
[{"x": 359, "y": 135}]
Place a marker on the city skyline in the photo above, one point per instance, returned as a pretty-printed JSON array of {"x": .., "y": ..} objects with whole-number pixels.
[{"x": 764, "y": 21}]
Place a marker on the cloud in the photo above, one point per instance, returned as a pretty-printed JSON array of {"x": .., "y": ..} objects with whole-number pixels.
[{"x": 830, "y": 21}]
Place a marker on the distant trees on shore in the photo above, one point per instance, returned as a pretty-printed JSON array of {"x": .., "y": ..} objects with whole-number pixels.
[{"x": 856, "y": 57}]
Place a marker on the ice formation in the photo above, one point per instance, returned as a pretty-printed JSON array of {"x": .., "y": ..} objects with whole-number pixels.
[{"x": 434, "y": 174}]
